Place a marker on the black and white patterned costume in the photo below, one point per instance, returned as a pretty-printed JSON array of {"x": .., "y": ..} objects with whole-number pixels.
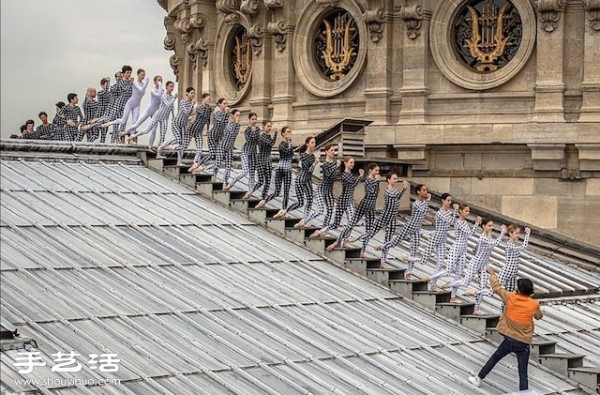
[
  {"x": 150, "y": 110},
  {"x": 365, "y": 208},
  {"x": 121, "y": 92},
  {"x": 303, "y": 185},
  {"x": 90, "y": 109},
  {"x": 249, "y": 156},
  {"x": 72, "y": 113},
  {"x": 167, "y": 103},
  {"x": 412, "y": 230},
  {"x": 386, "y": 219},
  {"x": 283, "y": 174},
  {"x": 444, "y": 219},
  {"x": 195, "y": 129},
  {"x": 104, "y": 102},
  {"x": 345, "y": 204},
  {"x": 214, "y": 136},
  {"x": 59, "y": 123},
  {"x": 226, "y": 148},
  {"x": 508, "y": 274},
  {"x": 325, "y": 200},
  {"x": 263, "y": 164},
  {"x": 45, "y": 132}
]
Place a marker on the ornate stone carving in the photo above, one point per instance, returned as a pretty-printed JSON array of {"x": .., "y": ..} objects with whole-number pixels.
[
  {"x": 174, "y": 62},
  {"x": 169, "y": 42},
  {"x": 255, "y": 34},
  {"x": 413, "y": 18},
  {"x": 197, "y": 21},
  {"x": 278, "y": 31},
  {"x": 183, "y": 25},
  {"x": 272, "y": 4},
  {"x": 198, "y": 50},
  {"x": 228, "y": 6},
  {"x": 374, "y": 20},
  {"x": 327, "y": 3},
  {"x": 592, "y": 10},
  {"x": 549, "y": 11},
  {"x": 233, "y": 19},
  {"x": 250, "y": 7}
]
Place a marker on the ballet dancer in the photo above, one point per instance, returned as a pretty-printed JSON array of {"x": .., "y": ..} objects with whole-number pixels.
[
  {"x": 303, "y": 185},
  {"x": 508, "y": 274},
  {"x": 283, "y": 174},
  {"x": 227, "y": 143},
  {"x": 264, "y": 166},
  {"x": 344, "y": 205},
  {"x": 366, "y": 207},
  {"x": 152, "y": 107},
  {"x": 203, "y": 111},
  {"x": 45, "y": 130},
  {"x": 167, "y": 103},
  {"x": 478, "y": 264},
  {"x": 444, "y": 218},
  {"x": 179, "y": 124},
  {"x": 104, "y": 101},
  {"x": 220, "y": 117},
  {"x": 252, "y": 135},
  {"x": 121, "y": 90},
  {"x": 388, "y": 216},
  {"x": 132, "y": 106},
  {"x": 59, "y": 121},
  {"x": 90, "y": 109},
  {"x": 73, "y": 117},
  {"x": 325, "y": 202}
]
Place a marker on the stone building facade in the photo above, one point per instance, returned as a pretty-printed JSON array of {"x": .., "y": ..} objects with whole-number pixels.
[{"x": 496, "y": 101}]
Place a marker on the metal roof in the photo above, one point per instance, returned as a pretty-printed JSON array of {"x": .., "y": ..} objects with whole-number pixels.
[{"x": 114, "y": 258}]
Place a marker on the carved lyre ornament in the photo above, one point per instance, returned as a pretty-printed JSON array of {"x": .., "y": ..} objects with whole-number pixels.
[
  {"x": 337, "y": 44},
  {"x": 487, "y": 34},
  {"x": 241, "y": 58},
  {"x": 592, "y": 9}
]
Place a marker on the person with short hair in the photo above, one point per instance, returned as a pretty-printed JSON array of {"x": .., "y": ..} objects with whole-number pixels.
[
  {"x": 90, "y": 109},
  {"x": 59, "y": 121},
  {"x": 249, "y": 151},
  {"x": 516, "y": 325},
  {"x": 28, "y": 133},
  {"x": 167, "y": 102},
  {"x": 179, "y": 125},
  {"x": 264, "y": 167},
  {"x": 330, "y": 169},
  {"x": 151, "y": 109},
  {"x": 45, "y": 130},
  {"x": 202, "y": 119},
  {"x": 283, "y": 173},
  {"x": 73, "y": 118}
]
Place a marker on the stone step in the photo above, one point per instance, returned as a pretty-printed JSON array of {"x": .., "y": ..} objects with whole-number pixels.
[
  {"x": 588, "y": 376},
  {"x": 174, "y": 170},
  {"x": 225, "y": 197},
  {"x": 480, "y": 323},
  {"x": 407, "y": 287},
  {"x": 541, "y": 347},
  {"x": 241, "y": 205},
  {"x": 191, "y": 179},
  {"x": 318, "y": 244},
  {"x": 383, "y": 276},
  {"x": 260, "y": 215},
  {"x": 431, "y": 298},
  {"x": 281, "y": 224},
  {"x": 561, "y": 363},
  {"x": 341, "y": 254},
  {"x": 455, "y": 310},
  {"x": 208, "y": 187}
]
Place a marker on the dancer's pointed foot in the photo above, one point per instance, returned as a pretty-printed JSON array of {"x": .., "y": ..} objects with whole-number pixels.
[
  {"x": 193, "y": 168},
  {"x": 352, "y": 239},
  {"x": 247, "y": 196},
  {"x": 228, "y": 187},
  {"x": 262, "y": 204},
  {"x": 410, "y": 276},
  {"x": 455, "y": 300},
  {"x": 435, "y": 288},
  {"x": 478, "y": 312},
  {"x": 347, "y": 245},
  {"x": 331, "y": 246},
  {"x": 300, "y": 224},
  {"x": 279, "y": 214},
  {"x": 427, "y": 277},
  {"x": 315, "y": 234},
  {"x": 470, "y": 292},
  {"x": 198, "y": 170},
  {"x": 447, "y": 284}
]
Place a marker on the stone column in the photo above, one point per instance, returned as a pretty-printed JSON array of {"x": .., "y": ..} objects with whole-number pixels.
[
  {"x": 415, "y": 89},
  {"x": 590, "y": 106},
  {"x": 260, "y": 96},
  {"x": 378, "y": 72},
  {"x": 550, "y": 87},
  {"x": 204, "y": 13}
]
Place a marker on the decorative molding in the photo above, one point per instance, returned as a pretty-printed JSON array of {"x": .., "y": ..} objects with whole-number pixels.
[
  {"x": 413, "y": 19},
  {"x": 592, "y": 10},
  {"x": 233, "y": 19},
  {"x": 327, "y": 3},
  {"x": 278, "y": 31},
  {"x": 549, "y": 11},
  {"x": 228, "y": 6},
  {"x": 198, "y": 21},
  {"x": 174, "y": 62},
  {"x": 255, "y": 34},
  {"x": 272, "y": 4},
  {"x": 169, "y": 42},
  {"x": 374, "y": 20},
  {"x": 198, "y": 50},
  {"x": 250, "y": 7}
]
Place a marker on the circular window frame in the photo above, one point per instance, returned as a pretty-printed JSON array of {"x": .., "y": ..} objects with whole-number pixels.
[
  {"x": 307, "y": 70},
  {"x": 223, "y": 80},
  {"x": 456, "y": 71}
]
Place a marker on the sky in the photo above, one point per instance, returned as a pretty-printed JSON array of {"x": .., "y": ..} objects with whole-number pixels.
[{"x": 50, "y": 48}]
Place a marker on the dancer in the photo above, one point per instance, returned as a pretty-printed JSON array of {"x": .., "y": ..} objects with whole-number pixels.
[
  {"x": 508, "y": 274},
  {"x": 264, "y": 166},
  {"x": 252, "y": 135},
  {"x": 283, "y": 174},
  {"x": 104, "y": 100},
  {"x": 121, "y": 90},
  {"x": 220, "y": 116},
  {"x": 59, "y": 121},
  {"x": 162, "y": 114},
  {"x": 155, "y": 99},
  {"x": 411, "y": 229},
  {"x": 132, "y": 106},
  {"x": 179, "y": 125},
  {"x": 478, "y": 264},
  {"x": 303, "y": 186},
  {"x": 345, "y": 205},
  {"x": 227, "y": 143},
  {"x": 73, "y": 117},
  {"x": 325, "y": 202},
  {"x": 90, "y": 109},
  {"x": 444, "y": 218},
  {"x": 456, "y": 262},
  {"x": 516, "y": 325},
  {"x": 389, "y": 214},
  {"x": 195, "y": 129},
  {"x": 366, "y": 207},
  {"x": 45, "y": 130}
]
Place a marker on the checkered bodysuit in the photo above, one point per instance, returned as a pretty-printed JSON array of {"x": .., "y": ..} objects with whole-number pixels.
[
  {"x": 263, "y": 163},
  {"x": 283, "y": 174},
  {"x": 345, "y": 205},
  {"x": 74, "y": 114},
  {"x": 412, "y": 230},
  {"x": 46, "y": 132},
  {"x": 249, "y": 156},
  {"x": 478, "y": 264},
  {"x": 59, "y": 123},
  {"x": 458, "y": 254},
  {"x": 226, "y": 148},
  {"x": 167, "y": 102},
  {"x": 443, "y": 220},
  {"x": 508, "y": 274},
  {"x": 150, "y": 110},
  {"x": 195, "y": 130},
  {"x": 121, "y": 94},
  {"x": 214, "y": 136},
  {"x": 104, "y": 101},
  {"x": 365, "y": 208},
  {"x": 303, "y": 185},
  {"x": 386, "y": 219},
  {"x": 179, "y": 126},
  {"x": 90, "y": 109},
  {"x": 325, "y": 200}
]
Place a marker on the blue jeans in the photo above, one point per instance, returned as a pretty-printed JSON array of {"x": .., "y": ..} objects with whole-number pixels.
[{"x": 507, "y": 346}]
